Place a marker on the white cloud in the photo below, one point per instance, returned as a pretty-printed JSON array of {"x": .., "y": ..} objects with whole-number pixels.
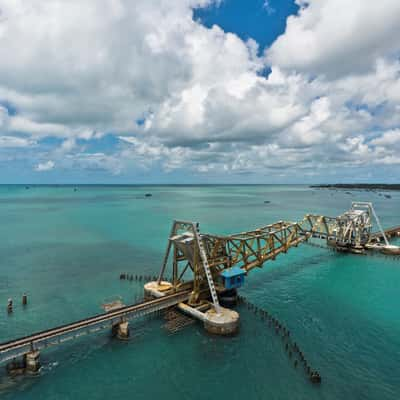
[
  {"x": 45, "y": 166},
  {"x": 338, "y": 37},
  {"x": 387, "y": 139},
  {"x": 93, "y": 162},
  {"x": 68, "y": 145},
  {"x": 15, "y": 142},
  {"x": 3, "y": 117},
  {"x": 332, "y": 97}
]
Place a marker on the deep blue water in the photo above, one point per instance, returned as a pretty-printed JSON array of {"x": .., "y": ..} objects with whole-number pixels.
[{"x": 66, "y": 249}]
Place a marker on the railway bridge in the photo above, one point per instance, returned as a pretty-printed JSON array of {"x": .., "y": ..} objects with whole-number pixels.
[
  {"x": 29, "y": 346},
  {"x": 207, "y": 270}
]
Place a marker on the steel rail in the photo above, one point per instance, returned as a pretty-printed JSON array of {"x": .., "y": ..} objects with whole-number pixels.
[{"x": 127, "y": 312}]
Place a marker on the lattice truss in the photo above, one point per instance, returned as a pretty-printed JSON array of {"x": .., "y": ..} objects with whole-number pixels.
[{"x": 206, "y": 255}]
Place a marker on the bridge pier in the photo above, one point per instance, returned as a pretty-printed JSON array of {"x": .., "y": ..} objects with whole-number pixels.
[
  {"x": 228, "y": 297},
  {"x": 32, "y": 362},
  {"x": 225, "y": 322},
  {"x": 121, "y": 330}
]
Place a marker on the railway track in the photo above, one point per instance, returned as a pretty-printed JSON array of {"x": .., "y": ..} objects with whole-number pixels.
[{"x": 20, "y": 346}]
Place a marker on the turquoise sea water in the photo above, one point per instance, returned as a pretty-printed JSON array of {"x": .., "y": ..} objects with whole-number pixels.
[{"x": 66, "y": 249}]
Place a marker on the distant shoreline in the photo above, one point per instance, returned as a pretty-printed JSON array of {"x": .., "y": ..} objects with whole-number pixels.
[{"x": 364, "y": 186}]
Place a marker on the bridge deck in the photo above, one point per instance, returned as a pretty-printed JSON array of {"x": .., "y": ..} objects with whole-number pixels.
[
  {"x": 390, "y": 232},
  {"x": 60, "y": 334}
]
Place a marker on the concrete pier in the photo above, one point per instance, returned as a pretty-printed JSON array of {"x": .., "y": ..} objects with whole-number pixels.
[
  {"x": 226, "y": 322},
  {"x": 121, "y": 330},
  {"x": 32, "y": 362},
  {"x": 228, "y": 298}
]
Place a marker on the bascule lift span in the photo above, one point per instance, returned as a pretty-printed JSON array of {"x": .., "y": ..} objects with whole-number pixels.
[{"x": 217, "y": 265}]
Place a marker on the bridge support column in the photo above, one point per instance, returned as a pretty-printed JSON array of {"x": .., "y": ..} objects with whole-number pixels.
[
  {"x": 32, "y": 362},
  {"x": 121, "y": 330},
  {"x": 228, "y": 298},
  {"x": 226, "y": 322}
]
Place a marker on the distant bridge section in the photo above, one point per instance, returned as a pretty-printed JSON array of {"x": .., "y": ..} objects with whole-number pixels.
[{"x": 389, "y": 233}]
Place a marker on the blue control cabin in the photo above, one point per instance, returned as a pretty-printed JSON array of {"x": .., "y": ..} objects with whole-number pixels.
[{"x": 232, "y": 278}]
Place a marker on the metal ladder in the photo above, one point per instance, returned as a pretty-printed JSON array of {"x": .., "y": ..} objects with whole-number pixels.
[{"x": 206, "y": 266}]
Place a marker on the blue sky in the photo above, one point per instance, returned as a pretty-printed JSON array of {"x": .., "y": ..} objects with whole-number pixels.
[
  {"x": 199, "y": 91},
  {"x": 257, "y": 19}
]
